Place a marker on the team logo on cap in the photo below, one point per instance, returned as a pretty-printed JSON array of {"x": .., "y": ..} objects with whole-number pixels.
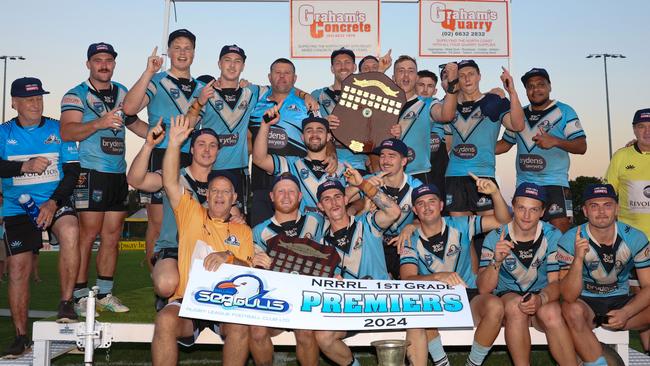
[
  {"x": 531, "y": 190},
  {"x": 102, "y": 47},
  {"x": 31, "y": 87},
  {"x": 600, "y": 190}
]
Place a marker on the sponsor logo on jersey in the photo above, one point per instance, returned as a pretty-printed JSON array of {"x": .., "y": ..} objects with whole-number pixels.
[
  {"x": 630, "y": 167},
  {"x": 278, "y": 138},
  {"x": 12, "y": 142},
  {"x": 304, "y": 173},
  {"x": 531, "y": 163},
  {"x": 428, "y": 258},
  {"x": 465, "y": 151},
  {"x": 98, "y": 106},
  {"x": 112, "y": 145},
  {"x": 228, "y": 140},
  {"x": 562, "y": 256},
  {"x": 358, "y": 243},
  {"x": 435, "y": 142},
  {"x": 510, "y": 263},
  {"x": 218, "y": 105},
  {"x": 243, "y": 106},
  {"x": 410, "y": 155},
  {"x": 293, "y": 108},
  {"x": 175, "y": 93},
  {"x": 593, "y": 265},
  {"x": 453, "y": 249},
  {"x": 52, "y": 139}
]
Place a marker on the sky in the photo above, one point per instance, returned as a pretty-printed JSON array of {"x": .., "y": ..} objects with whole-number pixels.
[{"x": 53, "y": 36}]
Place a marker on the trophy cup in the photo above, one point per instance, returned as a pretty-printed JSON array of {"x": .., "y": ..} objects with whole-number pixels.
[
  {"x": 391, "y": 352},
  {"x": 301, "y": 256}
]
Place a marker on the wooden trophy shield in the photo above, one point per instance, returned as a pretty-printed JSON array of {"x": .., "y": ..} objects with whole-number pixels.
[
  {"x": 302, "y": 256},
  {"x": 370, "y": 104}
]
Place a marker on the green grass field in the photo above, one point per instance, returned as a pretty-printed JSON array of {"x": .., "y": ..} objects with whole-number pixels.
[{"x": 133, "y": 287}]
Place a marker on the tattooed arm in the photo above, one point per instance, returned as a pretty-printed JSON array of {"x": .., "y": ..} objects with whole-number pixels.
[{"x": 387, "y": 210}]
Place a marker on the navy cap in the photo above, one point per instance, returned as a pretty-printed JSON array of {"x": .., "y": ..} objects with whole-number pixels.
[
  {"x": 369, "y": 57},
  {"x": 342, "y": 51},
  {"x": 226, "y": 174},
  {"x": 320, "y": 120},
  {"x": 642, "y": 115},
  {"x": 599, "y": 190},
  {"x": 181, "y": 33},
  {"x": 329, "y": 184},
  {"x": 468, "y": 63},
  {"x": 531, "y": 190},
  {"x": 100, "y": 47},
  {"x": 27, "y": 87},
  {"x": 535, "y": 71},
  {"x": 285, "y": 176},
  {"x": 205, "y": 78},
  {"x": 204, "y": 131},
  {"x": 392, "y": 144},
  {"x": 424, "y": 190},
  {"x": 233, "y": 48}
]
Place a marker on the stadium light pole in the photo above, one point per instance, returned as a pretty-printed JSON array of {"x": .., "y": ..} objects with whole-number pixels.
[
  {"x": 604, "y": 56},
  {"x": 4, "y": 87}
]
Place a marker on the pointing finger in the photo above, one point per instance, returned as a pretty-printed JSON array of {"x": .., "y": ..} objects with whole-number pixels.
[
  {"x": 578, "y": 237},
  {"x": 473, "y": 176},
  {"x": 503, "y": 233},
  {"x": 155, "y": 51}
]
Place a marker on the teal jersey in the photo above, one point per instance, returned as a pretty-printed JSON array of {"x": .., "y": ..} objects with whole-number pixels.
[
  {"x": 415, "y": 120},
  {"x": 545, "y": 166},
  {"x": 309, "y": 225},
  {"x": 228, "y": 113},
  {"x": 170, "y": 97},
  {"x": 104, "y": 149},
  {"x": 448, "y": 251},
  {"x": 23, "y": 143},
  {"x": 402, "y": 196},
  {"x": 475, "y": 131},
  {"x": 606, "y": 268},
  {"x": 327, "y": 99},
  {"x": 527, "y": 266}
]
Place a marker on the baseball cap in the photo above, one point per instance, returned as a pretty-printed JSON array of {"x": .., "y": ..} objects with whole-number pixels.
[
  {"x": 468, "y": 63},
  {"x": 226, "y": 174},
  {"x": 320, "y": 120},
  {"x": 329, "y": 184},
  {"x": 342, "y": 51},
  {"x": 285, "y": 176},
  {"x": 232, "y": 49},
  {"x": 535, "y": 71},
  {"x": 599, "y": 190},
  {"x": 642, "y": 115},
  {"x": 100, "y": 47},
  {"x": 369, "y": 57},
  {"x": 392, "y": 144},
  {"x": 204, "y": 131},
  {"x": 181, "y": 33},
  {"x": 27, "y": 87},
  {"x": 424, "y": 190},
  {"x": 531, "y": 190}
]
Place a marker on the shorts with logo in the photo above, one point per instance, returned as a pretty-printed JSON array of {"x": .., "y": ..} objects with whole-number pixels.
[
  {"x": 21, "y": 235},
  {"x": 155, "y": 164},
  {"x": 602, "y": 305},
  {"x": 558, "y": 203},
  {"x": 462, "y": 195},
  {"x": 197, "y": 324},
  {"x": 101, "y": 192}
]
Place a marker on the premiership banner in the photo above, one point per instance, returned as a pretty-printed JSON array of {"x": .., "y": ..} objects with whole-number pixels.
[
  {"x": 319, "y": 27},
  {"x": 236, "y": 294},
  {"x": 460, "y": 28}
]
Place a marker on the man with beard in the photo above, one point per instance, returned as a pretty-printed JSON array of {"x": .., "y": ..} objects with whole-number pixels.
[
  {"x": 310, "y": 170},
  {"x": 287, "y": 220},
  {"x": 519, "y": 262},
  {"x": 596, "y": 259},
  {"x": 90, "y": 115},
  {"x": 167, "y": 93},
  {"x": 552, "y": 131}
]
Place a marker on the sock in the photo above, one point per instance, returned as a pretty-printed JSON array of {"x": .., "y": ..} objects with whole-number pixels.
[
  {"x": 599, "y": 362},
  {"x": 437, "y": 352},
  {"x": 105, "y": 285},
  {"x": 477, "y": 354},
  {"x": 80, "y": 291}
]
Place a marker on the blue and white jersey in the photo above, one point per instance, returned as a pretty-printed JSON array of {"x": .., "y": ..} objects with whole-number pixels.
[
  {"x": 104, "y": 150},
  {"x": 168, "y": 97},
  {"x": 310, "y": 173},
  {"x": 285, "y": 137},
  {"x": 328, "y": 98},
  {"x": 526, "y": 268},
  {"x": 229, "y": 119},
  {"x": 168, "y": 237},
  {"x": 606, "y": 268},
  {"x": 360, "y": 248},
  {"x": 438, "y": 133},
  {"x": 402, "y": 196},
  {"x": 23, "y": 143},
  {"x": 415, "y": 120},
  {"x": 545, "y": 166},
  {"x": 309, "y": 225},
  {"x": 475, "y": 131},
  {"x": 448, "y": 251}
]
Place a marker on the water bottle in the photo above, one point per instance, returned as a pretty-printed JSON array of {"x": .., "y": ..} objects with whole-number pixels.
[{"x": 27, "y": 203}]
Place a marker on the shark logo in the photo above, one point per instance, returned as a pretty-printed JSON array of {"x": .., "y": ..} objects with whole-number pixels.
[{"x": 243, "y": 291}]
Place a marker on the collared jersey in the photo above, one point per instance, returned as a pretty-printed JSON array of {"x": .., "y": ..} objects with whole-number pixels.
[
  {"x": 360, "y": 248},
  {"x": 104, "y": 149},
  {"x": 475, "y": 131},
  {"x": 415, "y": 120},
  {"x": 606, "y": 268},
  {"x": 309, "y": 225},
  {"x": 526, "y": 268},
  {"x": 629, "y": 173},
  {"x": 448, "y": 251},
  {"x": 545, "y": 166},
  {"x": 168, "y": 97},
  {"x": 195, "y": 225},
  {"x": 23, "y": 143}
]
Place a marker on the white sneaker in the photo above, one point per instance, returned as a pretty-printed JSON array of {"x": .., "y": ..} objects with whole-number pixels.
[
  {"x": 80, "y": 307},
  {"x": 111, "y": 303}
]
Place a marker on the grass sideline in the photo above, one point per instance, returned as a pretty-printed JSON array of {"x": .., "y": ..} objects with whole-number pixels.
[{"x": 133, "y": 287}]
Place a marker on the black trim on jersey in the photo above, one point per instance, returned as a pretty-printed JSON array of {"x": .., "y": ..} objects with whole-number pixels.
[
  {"x": 407, "y": 105},
  {"x": 196, "y": 187},
  {"x": 440, "y": 238},
  {"x": 230, "y": 92},
  {"x": 40, "y": 124},
  {"x": 335, "y": 95},
  {"x": 102, "y": 95},
  {"x": 332, "y": 238},
  {"x": 532, "y": 245},
  {"x": 180, "y": 82},
  {"x": 286, "y": 227},
  {"x": 528, "y": 112},
  {"x": 601, "y": 250},
  {"x": 316, "y": 167}
]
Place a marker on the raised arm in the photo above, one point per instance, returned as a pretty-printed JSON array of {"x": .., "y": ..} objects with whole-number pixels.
[
  {"x": 261, "y": 156},
  {"x": 571, "y": 280},
  {"x": 179, "y": 130},
  {"x": 138, "y": 176},
  {"x": 501, "y": 212},
  {"x": 446, "y": 111},
  {"x": 388, "y": 210},
  {"x": 513, "y": 120},
  {"x": 136, "y": 99},
  {"x": 488, "y": 276}
]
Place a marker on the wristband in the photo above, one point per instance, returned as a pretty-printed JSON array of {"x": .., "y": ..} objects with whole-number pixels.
[
  {"x": 368, "y": 189},
  {"x": 129, "y": 120},
  {"x": 230, "y": 259},
  {"x": 451, "y": 86}
]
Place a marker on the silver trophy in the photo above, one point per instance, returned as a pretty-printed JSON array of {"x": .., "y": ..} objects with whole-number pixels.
[{"x": 391, "y": 352}]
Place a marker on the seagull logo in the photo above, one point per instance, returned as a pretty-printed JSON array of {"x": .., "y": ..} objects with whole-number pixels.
[{"x": 243, "y": 291}]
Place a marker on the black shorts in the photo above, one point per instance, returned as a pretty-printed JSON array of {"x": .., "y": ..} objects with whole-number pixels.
[
  {"x": 471, "y": 293},
  {"x": 425, "y": 177},
  {"x": 101, "y": 192},
  {"x": 520, "y": 293},
  {"x": 462, "y": 195},
  {"x": 392, "y": 257},
  {"x": 164, "y": 253},
  {"x": 602, "y": 305},
  {"x": 21, "y": 235},
  {"x": 439, "y": 162},
  {"x": 155, "y": 164},
  {"x": 197, "y": 324},
  {"x": 558, "y": 203}
]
